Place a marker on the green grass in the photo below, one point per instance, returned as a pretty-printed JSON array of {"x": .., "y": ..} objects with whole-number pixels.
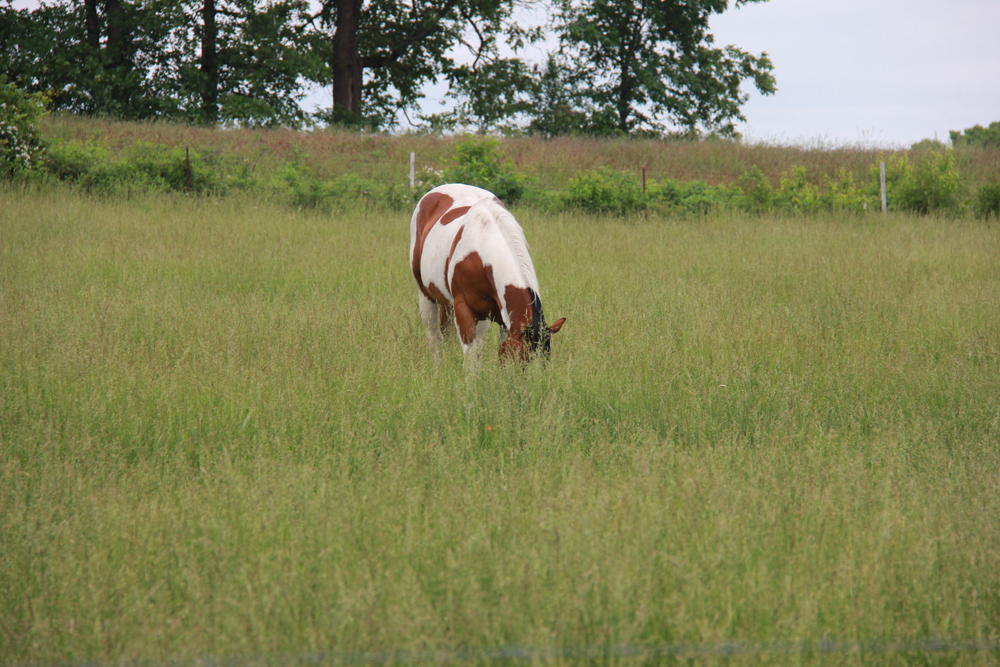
[{"x": 222, "y": 434}]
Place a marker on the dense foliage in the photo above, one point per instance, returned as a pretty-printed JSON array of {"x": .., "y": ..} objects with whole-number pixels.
[
  {"x": 630, "y": 68},
  {"x": 20, "y": 145},
  {"x": 647, "y": 66},
  {"x": 223, "y": 60},
  {"x": 978, "y": 136}
]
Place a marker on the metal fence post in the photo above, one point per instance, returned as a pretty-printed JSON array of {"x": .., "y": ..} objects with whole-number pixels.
[{"x": 881, "y": 178}]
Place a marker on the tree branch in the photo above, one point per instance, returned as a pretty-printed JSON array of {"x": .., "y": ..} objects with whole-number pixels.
[{"x": 405, "y": 44}]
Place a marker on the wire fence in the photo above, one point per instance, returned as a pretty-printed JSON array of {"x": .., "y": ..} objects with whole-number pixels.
[{"x": 562, "y": 653}]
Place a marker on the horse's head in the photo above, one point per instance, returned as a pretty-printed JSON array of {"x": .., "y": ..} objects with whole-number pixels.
[{"x": 534, "y": 339}]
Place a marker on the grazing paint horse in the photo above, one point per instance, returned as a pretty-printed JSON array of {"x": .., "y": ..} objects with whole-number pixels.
[{"x": 470, "y": 260}]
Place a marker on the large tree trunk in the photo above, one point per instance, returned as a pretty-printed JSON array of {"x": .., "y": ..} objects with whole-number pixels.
[
  {"x": 92, "y": 24},
  {"x": 346, "y": 65},
  {"x": 117, "y": 46},
  {"x": 209, "y": 65},
  {"x": 118, "y": 59}
]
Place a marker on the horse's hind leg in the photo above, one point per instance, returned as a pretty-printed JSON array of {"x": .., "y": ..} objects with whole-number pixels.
[
  {"x": 471, "y": 331},
  {"x": 432, "y": 315},
  {"x": 475, "y": 350}
]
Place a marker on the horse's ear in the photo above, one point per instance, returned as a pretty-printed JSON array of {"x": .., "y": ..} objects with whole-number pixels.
[{"x": 557, "y": 325}]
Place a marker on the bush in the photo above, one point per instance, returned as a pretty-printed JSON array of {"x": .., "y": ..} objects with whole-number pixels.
[
  {"x": 168, "y": 167},
  {"x": 699, "y": 198},
  {"x": 841, "y": 193},
  {"x": 987, "y": 201},
  {"x": 72, "y": 161},
  {"x": 796, "y": 194},
  {"x": 482, "y": 163},
  {"x": 20, "y": 146},
  {"x": 142, "y": 166},
  {"x": 932, "y": 185},
  {"x": 341, "y": 193},
  {"x": 755, "y": 192},
  {"x": 605, "y": 191}
]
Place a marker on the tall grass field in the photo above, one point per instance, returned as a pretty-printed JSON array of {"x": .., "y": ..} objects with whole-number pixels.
[{"x": 223, "y": 435}]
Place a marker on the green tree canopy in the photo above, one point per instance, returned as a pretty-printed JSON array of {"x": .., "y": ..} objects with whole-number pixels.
[
  {"x": 383, "y": 52},
  {"x": 196, "y": 60},
  {"x": 647, "y": 65},
  {"x": 625, "y": 66},
  {"x": 977, "y": 135}
]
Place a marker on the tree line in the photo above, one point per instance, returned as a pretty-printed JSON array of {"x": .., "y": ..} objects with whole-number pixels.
[{"x": 621, "y": 66}]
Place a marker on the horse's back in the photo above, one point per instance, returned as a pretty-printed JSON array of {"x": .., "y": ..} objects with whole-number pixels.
[
  {"x": 437, "y": 224},
  {"x": 443, "y": 202},
  {"x": 494, "y": 235}
]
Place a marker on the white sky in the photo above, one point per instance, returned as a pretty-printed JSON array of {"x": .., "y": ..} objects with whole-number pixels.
[
  {"x": 870, "y": 71},
  {"x": 885, "y": 72}
]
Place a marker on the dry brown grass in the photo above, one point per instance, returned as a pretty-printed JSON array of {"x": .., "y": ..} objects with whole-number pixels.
[{"x": 551, "y": 162}]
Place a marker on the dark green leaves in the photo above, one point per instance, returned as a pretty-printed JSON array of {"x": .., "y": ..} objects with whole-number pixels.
[{"x": 654, "y": 67}]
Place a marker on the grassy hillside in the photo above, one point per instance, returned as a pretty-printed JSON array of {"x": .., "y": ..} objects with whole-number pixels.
[
  {"x": 222, "y": 434},
  {"x": 551, "y": 164}
]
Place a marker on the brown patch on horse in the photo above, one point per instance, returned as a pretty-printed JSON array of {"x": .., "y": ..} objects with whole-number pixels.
[
  {"x": 475, "y": 296},
  {"x": 454, "y": 214},
  {"x": 447, "y": 262},
  {"x": 518, "y": 301},
  {"x": 432, "y": 207},
  {"x": 435, "y": 295}
]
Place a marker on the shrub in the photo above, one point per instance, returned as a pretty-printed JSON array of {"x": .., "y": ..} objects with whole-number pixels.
[
  {"x": 698, "y": 197},
  {"x": 142, "y": 166},
  {"x": 931, "y": 185},
  {"x": 668, "y": 194},
  {"x": 169, "y": 167},
  {"x": 691, "y": 197},
  {"x": 72, "y": 161},
  {"x": 341, "y": 193},
  {"x": 987, "y": 201},
  {"x": 797, "y": 194},
  {"x": 755, "y": 192},
  {"x": 841, "y": 193},
  {"x": 605, "y": 191},
  {"x": 481, "y": 162},
  {"x": 897, "y": 174},
  {"x": 90, "y": 166},
  {"x": 20, "y": 145}
]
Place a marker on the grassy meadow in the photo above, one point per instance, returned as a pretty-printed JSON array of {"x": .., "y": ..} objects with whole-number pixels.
[{"x": 222, "y": 433}]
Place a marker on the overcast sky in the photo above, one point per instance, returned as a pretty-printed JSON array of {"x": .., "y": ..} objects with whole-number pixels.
[{"x": 871, "y": 71}]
